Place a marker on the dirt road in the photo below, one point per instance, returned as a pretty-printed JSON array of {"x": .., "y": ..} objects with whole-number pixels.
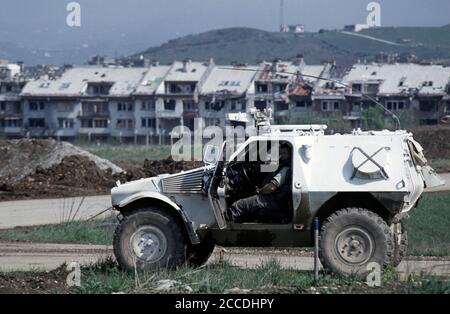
[
  {"x": 40, "y": 256},
  {"x": 32, "y": 256},
  {"x": 50, "y": 211},
  {"x": 445, "y": 187}
]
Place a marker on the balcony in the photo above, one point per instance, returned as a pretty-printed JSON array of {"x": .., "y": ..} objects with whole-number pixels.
[
  {"x": 181, "y": 89},
  {"x": 93, "y": 114},
  {"x": 190, "y": 113},
  {"x": 11, "y": 130},
  {"x": 98, "y": 89},
  {"x": 94, "y": 131},
  {"x": 169, "y": 114},
  {"x": 10, "y": 114},
  {"x": 145, "y": 131},
  {"x": 66, "y": 132},
  {"x": 38, "y": 132},
  {"x": 123, "y": 132},
  {"x": 353, "y": 115}
]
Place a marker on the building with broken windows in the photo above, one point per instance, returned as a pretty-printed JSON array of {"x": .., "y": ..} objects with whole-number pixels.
[
  {"x": 272, "y": 86},
  {"x": 93, "y": 102},
  {"x": 226, "y": 92},
  {"x": 421, "y": 89}
]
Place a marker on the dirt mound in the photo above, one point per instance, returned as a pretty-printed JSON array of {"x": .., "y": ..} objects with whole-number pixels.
[
  {"x": 80, "y": 176},
  {"x": 73, "y": 176},
  {"x": 38, "y": 283},
  {"x": 20, "y": 158},
  {"x": 435, "y": 141}
]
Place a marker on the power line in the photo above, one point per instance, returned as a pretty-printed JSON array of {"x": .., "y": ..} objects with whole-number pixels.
[{"x": 338, "y": 82}]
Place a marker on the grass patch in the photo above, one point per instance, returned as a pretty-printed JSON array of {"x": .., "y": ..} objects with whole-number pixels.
[
  {"x": 138, "y": 152},
  {"x": 105, "y": 277},
  {"x": 129, "y": 152},
  {"x": 428, "y": 227},
  {"x": 215, "y": 278},
  {"x": 440, "y": 165},
  {"x": 225, "y": 278},
  {"x": 81, "y": 232}
]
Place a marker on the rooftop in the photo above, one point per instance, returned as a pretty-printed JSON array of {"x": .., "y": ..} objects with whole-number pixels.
[
  {"x": 152, "y": 79},
  {"x": 186, "y": 71},
  {"x": 283, "y": 71},
  {"x": 75, "y": 81},
  {"x": 402, "y": 78},
  {"x": 233, "y": 79}
]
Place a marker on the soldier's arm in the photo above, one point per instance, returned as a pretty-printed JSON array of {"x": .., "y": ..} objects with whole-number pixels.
[
  {"x": 275, "y": 183},
  {"x": 267, "y": 188}
]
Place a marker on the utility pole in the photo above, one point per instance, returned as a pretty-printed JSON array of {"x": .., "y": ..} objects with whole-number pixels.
[{"x": 282, "y": 15}]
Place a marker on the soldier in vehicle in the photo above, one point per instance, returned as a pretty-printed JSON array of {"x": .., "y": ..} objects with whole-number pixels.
[{"x": 271, "y": 199}]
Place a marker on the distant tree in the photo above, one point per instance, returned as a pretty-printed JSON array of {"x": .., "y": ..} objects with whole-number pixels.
[
  {"x": 335, "y": 122},
  {"x": 408, "y": 119},
  {"x": 373, "y": 118}
]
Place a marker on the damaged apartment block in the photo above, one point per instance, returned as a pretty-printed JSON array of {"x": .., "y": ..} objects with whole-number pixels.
[{"x": 144, "y": 104}]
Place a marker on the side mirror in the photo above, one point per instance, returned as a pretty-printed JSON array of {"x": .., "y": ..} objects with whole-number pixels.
[{"x": 211, "y": 154}]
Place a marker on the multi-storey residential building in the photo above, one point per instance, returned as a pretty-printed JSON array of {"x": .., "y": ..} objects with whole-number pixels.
[
  {"x": 177, "y": 99},
  {"x": 11, "y": 84},
  {"x": 271, "y": 87},
  {"x": 84, "y": 101},
  {"x": 145, "y": 104},
  {"x": 400, "y": 87},
  {"x": 327, "y": 97},
  {"x": 224, "y": 92},
  {"x": 147, "y": 118}
]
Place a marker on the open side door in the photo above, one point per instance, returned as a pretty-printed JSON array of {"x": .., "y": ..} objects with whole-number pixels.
[
  {"x": 214, "y": 197},
  {"x": 215, "y": 182}
]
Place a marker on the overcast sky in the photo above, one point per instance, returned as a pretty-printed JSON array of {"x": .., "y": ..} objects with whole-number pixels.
[{"x": 144, "y": 23}]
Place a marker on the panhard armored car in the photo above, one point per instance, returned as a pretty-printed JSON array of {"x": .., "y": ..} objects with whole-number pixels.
[{"x": 358, "y": 185}]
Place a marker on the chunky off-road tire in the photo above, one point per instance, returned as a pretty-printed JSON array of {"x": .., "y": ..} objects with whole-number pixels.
[
  {"x": 400, "y": 247},
  {"x": 198, "y": 254},
  {"x": 352, "y": 238},
  {"x": 149, "y": 239}
]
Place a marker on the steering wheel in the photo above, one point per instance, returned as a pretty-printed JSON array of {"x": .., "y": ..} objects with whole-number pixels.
[
  {"x": 244, "y": 171},
  {"x": 238, "y": 175}
]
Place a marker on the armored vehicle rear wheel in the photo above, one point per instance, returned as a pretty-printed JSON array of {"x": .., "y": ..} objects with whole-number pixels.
[
  {"x": 149, "y": 239},
  {"x": 352, "y": 238}
]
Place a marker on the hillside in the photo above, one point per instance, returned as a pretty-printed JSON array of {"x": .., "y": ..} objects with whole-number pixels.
[{"x": 247, "y": 45}]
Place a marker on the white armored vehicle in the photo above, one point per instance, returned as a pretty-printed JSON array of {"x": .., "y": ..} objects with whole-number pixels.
[{"x": 359, "y": 186}]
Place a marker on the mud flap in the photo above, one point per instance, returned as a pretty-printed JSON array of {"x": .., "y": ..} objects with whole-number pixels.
[{"x": 431, "y": 178}]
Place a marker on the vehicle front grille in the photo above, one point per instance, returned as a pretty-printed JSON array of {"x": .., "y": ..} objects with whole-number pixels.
[{"x": 184, "y": 182}]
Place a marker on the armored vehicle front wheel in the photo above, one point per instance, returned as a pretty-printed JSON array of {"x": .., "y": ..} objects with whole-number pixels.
[
  {"x": 354, "y": 237},
  {"x": 149, "y": 239}
]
